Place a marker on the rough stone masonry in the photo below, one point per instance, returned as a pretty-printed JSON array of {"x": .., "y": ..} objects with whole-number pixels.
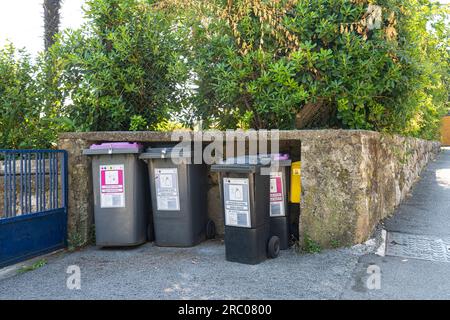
[{"x": 351, "y": 179}]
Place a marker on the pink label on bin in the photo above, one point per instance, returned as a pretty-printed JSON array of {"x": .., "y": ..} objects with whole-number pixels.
[
  {"x": 112, "y": 186},
  {"x": 276, "y": 195},
  {"x": 276, "y": 191}
]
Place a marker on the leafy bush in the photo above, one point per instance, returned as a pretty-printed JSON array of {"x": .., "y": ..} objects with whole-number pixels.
[
  {"x": 122, "y": 70},
  {"x": 259, "y": 63},
  {"x": 152, "y": 65},
  {"x": 26, "y": 113}
]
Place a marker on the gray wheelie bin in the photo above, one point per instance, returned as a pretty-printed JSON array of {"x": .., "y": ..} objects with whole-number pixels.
[
  {"x": 121, "y": 211},
  {"x": 178, "y": 196},
  {"x": 246, "y": 206}
]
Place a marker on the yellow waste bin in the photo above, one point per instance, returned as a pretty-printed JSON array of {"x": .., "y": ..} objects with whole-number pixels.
[
  {"x": 296, "y": 182},
  {"x": 445, "y": 131}
]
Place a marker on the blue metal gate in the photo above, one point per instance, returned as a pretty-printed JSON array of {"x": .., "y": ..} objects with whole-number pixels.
[{"x": 33, "y": 215}]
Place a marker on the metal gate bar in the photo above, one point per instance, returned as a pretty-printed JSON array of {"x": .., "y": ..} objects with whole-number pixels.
[{"x": 34, "y": 216}]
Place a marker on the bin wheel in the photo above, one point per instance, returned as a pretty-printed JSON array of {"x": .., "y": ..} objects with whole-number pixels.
[
  {"x": 210, "y": 229},
  {"x": 273, "y": 248}
]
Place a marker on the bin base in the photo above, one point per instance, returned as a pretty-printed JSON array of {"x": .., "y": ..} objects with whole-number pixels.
[
  {"x": 279, "y": 226},
  {"x": 119, "y": 245},
  {"x": 248, "y": 246},
  {"x": 178, "y": 244},
  {"x": 174, "y": 233}
]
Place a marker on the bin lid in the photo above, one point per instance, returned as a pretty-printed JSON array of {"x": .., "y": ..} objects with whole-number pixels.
[
  {"x": 166, "y": 153},
  {"x": 242, "y": 164},
  {"x": 282, "y": 158},
  {"x": 279, "y": 156},
  {"x": 113, "y": 148},
  {"x": 251, "y": 163}
]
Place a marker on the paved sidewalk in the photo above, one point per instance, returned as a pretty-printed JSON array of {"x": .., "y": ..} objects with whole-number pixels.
[{"x": 424, "y": 215}]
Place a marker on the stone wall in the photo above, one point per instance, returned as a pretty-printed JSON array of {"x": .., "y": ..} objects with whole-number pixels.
[
  {"x": 80, "y": 198},
  {"x": 351, "y": 179}
]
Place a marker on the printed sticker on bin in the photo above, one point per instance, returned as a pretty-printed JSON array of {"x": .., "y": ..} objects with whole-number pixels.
[
  {"x": 276, "y": 195},
  {"x": 112, "y": 186},
  {"x": 236, "y": 202},
  {"x": 167, "y": 195}
]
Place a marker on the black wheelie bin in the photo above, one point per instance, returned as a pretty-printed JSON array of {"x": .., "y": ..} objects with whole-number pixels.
[
  {"x": 178, "y": 196},
  {"x": 246, "y": 206}
]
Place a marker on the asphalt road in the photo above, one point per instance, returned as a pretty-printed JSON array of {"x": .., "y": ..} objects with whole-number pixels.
[{"x": 150, "y": 272}]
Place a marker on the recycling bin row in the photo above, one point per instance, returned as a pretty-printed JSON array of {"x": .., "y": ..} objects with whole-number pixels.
[
  {"x": 255, "y": 205},
  {"x": 168, "y": 204}
]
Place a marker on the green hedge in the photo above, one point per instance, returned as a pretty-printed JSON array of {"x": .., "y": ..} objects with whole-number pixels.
[
  {"x": 260, "y": 62},
  {"x": 156, "y": 65},
  {"x": 29, "y": 116}
]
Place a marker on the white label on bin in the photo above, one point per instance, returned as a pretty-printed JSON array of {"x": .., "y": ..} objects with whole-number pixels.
[
  {"x": 112, "y": 186},
  {"x": 236, "y": 202},
  {"x": 166, "y": 186},
  {"x": 276, "y": 195}
]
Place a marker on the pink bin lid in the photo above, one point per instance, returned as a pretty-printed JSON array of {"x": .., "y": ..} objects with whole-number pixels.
[
  {"x": 116, "y": 145},
  {"x": 276, "y": 156},
  {"x": 280, "y": 156}
]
